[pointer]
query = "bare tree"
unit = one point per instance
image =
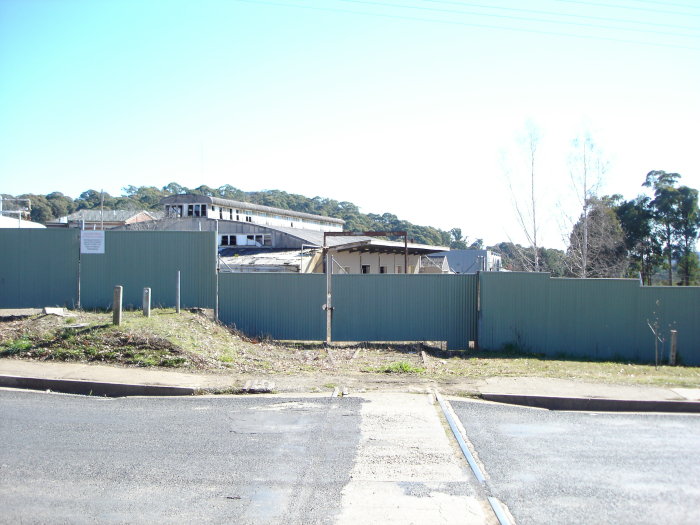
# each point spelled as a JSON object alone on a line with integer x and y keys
{"x": 526, "y": 210}
{"x": 586, "y": 169}
{"x": 605, "y": 253}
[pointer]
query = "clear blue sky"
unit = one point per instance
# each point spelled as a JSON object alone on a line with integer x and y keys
{"x": 404, "y": 106}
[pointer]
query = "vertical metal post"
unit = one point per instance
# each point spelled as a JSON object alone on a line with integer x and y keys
{"x": 117, "y": 305}
{"x": 147, "y": 302}
{"x": 674, "y": 347}
{"x": 177, "y": 293}
{"x": 216, "y": 269}
{"x": 405, "y": 253}
{"x": 329, "y": 296}
{"x": 79, "y": 268}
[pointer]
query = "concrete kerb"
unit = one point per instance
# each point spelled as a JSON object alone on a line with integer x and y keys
{"x": 94, "y": 388}
{"x": 594, "y": 404}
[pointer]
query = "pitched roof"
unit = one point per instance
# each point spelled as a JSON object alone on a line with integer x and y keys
{"x": 96, "y": 215}
{"x": 189, "y": 198}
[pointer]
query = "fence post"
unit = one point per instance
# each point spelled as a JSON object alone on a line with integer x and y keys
{"x": 147, "y": 302}
{"x": 329, "y": 296}
{"x": 177, "y": 293}
{"x": 117, "y": 305}
{"x": 674, "y": 347}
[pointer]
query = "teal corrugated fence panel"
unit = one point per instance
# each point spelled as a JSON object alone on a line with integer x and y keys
{"x": 589, "y": 318}
{"x": 38, "y": 267}
{"x": 676, "y": 308}
{"x": 511, "y": 307}
{"x": 405, "y": 308}
{"x": 276, "y": 305}
{"x": 594, "y": 318}
{"x": 140, "y": 259}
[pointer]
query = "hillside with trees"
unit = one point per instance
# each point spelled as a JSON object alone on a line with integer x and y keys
{"x": 49, "y": 207}
{"x": 648, "y": 237}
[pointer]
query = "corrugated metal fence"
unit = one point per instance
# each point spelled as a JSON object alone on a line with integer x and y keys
{"x": 275, "y": 305}
{"x": 405, "y": 308}
{"x": 366, "y": 307}
{"x": 44, "y": 268}
{"x": 38, "y": 268}
{"x": 142, "y": 259}
{"x": 591, "y": 318}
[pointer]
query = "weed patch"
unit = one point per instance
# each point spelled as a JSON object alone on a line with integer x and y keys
{"x": 401, "y": 367}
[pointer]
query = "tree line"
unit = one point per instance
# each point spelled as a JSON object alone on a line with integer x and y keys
{"x": 50, "y": 207}
{"x": 648, "y": 237}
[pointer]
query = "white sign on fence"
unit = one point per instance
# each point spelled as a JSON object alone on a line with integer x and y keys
{"x": 92, "y": 241}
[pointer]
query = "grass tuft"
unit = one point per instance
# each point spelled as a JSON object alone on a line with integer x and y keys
{"x": 401, "y": 367}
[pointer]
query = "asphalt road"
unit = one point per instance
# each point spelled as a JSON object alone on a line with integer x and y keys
{"x": 587, "y": 468}
{"x": 73, "y": 459}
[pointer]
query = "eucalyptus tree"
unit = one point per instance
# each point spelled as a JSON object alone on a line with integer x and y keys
{"x": 687, "y": 232}
{"x": 643, "y": 247}
{"x": 675, "y": 211}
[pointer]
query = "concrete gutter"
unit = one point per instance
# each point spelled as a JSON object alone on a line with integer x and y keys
{"x": 594, "y": 404}
{"x": 93, "y": 388}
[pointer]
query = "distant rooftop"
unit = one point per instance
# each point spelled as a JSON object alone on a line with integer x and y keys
{"x": 204, "y": 199}
{"x": 96, "y": 215}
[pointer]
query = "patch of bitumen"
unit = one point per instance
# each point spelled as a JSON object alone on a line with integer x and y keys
{"x": 191, "y": 459}
{"x": 587, "y": 467}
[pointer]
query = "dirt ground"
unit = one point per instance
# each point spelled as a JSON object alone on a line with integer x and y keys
{"x": 190, "y": 341}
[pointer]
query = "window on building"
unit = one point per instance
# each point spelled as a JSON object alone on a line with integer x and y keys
{"x": 399, "y": 269}
{"x": 204, "y": 210}
{"x": 221, "y": 213}
{"x": 248, "y": 218}
{"x": 365, "y": 268}
{"x": 267, "y": 240}
{"x": 190, "y": 210}
{"x": 230, "y": 214}
{"x": 228, "y": 240}
{"x": 382, "y": 269}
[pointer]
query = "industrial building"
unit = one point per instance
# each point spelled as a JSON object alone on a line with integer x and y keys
{"x": 255, "y": 238}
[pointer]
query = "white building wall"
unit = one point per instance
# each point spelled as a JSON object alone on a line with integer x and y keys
{"x": 393, "y": 263}
{"x": 252, "y": 216}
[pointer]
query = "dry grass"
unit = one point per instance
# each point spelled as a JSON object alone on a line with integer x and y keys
{"x": 191, "y": 341}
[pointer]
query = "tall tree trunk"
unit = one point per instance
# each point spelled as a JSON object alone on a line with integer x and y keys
{"x": 669, "y": 251}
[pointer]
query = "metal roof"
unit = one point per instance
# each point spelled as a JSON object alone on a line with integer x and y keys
{"x": 11, "y": 222}
{"x": 96, "y": 215}
{"x": 204, "y": 199}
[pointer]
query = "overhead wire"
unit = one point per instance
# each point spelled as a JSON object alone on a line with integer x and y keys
{"x": 687, "y": 6}
{"x": 512, "y": 17}
{"x": 565, "y": 15}
{"x": 471, "y": 24}
{"x": 622, "y": 6}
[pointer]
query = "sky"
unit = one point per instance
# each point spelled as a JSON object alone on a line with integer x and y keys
{"x": 412, "y": 107}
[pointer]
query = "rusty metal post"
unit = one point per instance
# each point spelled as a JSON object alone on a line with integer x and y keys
{"x": 117, "y": 305}
{"x": 674, "y": 348}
